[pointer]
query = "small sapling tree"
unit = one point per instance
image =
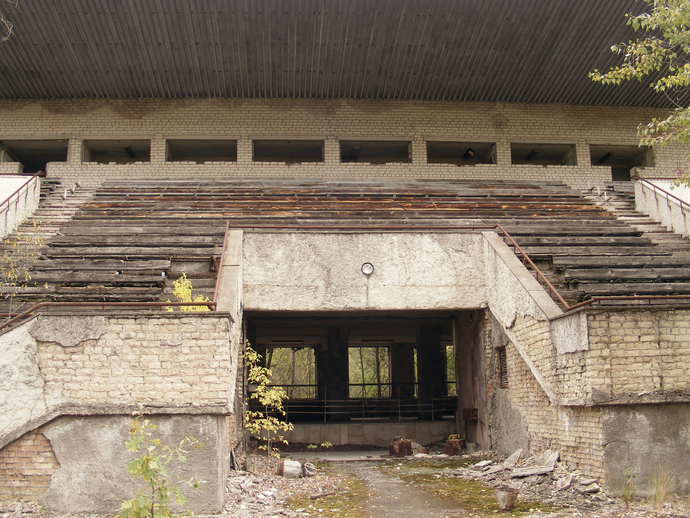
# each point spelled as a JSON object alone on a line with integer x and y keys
{"x": 18, "y": 255}
{"x": 270, "y": 398}
{"x": 182, "y": 289}
{"x": 152, "y": 467}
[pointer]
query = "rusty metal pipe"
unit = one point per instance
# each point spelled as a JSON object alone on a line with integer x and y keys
{"x": 103, "y": 305}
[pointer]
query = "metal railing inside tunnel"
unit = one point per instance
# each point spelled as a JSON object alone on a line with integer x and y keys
{"x": 430, "y": 405}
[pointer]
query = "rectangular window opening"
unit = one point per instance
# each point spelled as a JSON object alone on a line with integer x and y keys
{"x": 201, "y": 150}
{"x": 543, "y": 154}
{"x": 460, "y": 153}
{"x": 294, "y": 369}
{"x": 621, "y": 159}
{"x": 117, "y": 151}
{"x": 502, "y": 367}
{"x": 369, "y": 369}
{"x": 375, "y": 151}
{"x": 34, "y": 155}
{"x": 287, "y": 151}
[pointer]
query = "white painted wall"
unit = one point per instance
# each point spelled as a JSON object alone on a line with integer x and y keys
{"x": 15, "y": 209}
{"x": 663, "y": 205}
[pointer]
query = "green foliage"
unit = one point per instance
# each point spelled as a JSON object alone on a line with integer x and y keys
{"x": 269, "y": 398}
{"x": 369, "y": 369}
{"x": 152, "y": 467}
{"x": 293, "y": 366}
{"x": 5, "y": 25}
{"x": 182, "y": 289}
{"x": 19, "y": 255}
{"x": 664, "y": 46}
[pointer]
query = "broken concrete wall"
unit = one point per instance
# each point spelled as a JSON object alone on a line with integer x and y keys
{"x": 321, "y": 272}
{"x": 650, "y": 444}
{"x": 523, "y": 415}
{"x": 91, "y": 452}
{"x": 90, "y": 366}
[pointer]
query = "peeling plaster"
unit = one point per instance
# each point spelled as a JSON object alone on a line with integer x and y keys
{"x": 21, "y": 383}
{"x": 67, "y": 331}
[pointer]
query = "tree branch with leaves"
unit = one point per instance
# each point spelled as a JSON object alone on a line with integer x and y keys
{"x": 664, "y": 46}
{"x": 6, "y": 26}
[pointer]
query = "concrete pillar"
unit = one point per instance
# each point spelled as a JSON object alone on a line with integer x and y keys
{"x": 402, "y": 367}
{"x": 471, "y": 376}
{"x": 431, "y": 372}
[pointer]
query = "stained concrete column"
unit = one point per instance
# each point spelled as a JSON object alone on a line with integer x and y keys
{"x": 402, "y": 367}
{"x": 332, "y": 372}
{"x": 431, "y": 372}
{"x": 471, "y": 376}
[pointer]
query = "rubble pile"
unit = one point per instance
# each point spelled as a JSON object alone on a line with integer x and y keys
{"x": 261, "y": 493}
{"x": 542, "y": 478}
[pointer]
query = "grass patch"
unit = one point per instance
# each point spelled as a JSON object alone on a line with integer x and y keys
{"x": 348, "y": 501}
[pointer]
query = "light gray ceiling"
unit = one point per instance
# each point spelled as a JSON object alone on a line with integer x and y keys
{"x": 468, "y": 50}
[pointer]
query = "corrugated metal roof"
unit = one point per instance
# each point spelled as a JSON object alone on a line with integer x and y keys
{"x": 471, "y": 50}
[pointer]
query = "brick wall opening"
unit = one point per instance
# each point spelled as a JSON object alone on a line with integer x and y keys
{"x": 34, "y": 155}
{"x": 375, "y": 151}
{"x": 621, "y": 159}
{"x": 201, "y": 150}
{"x": 117, "y": 151}
{"x": 460, "y": 153}
{"x": 288, "y": 151}
{"x": 26, "y": 467}
{"x": 543, "y": 154}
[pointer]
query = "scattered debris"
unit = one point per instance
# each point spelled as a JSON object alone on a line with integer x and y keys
{"x": 400, "y": 447}
{"x": 453, "y": 445}
{"x": 506, "y": 497}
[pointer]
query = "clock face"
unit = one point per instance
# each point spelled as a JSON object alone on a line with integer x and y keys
{"x": 367, "y": 268}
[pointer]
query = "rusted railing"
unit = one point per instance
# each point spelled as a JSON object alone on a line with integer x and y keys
{"x": 103, "y": 305}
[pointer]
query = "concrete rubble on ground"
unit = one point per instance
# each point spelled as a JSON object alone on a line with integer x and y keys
{"x": 541, "y": 477}
{"x": 260, "y": 493}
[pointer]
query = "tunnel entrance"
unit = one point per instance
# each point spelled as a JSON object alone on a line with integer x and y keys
{"x": 374, "y": 368}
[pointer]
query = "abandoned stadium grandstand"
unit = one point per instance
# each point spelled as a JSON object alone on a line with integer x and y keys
{"x": 427, "y": 186}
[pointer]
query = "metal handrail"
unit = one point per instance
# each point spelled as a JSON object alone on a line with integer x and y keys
{"x": 5, "y": 205}
{"x": 683, "y": 204}
{"x": 22, "y": 186}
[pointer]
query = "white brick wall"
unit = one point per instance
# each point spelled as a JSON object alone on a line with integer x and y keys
{"x": 331, "y": 120}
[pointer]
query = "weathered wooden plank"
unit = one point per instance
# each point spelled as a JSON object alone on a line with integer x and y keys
{"x": 132, "y": 252}
{"x": 635, "y": 288}
{"x": 591, "y": 241}
{"x": 662, "y": 259}
{"x": 137, "y": 240}
{"x": 624, "y": 274}
{"x": 144, "y": 267}
{"x": 95, "y": 277}
{"x": 564, "y": 251}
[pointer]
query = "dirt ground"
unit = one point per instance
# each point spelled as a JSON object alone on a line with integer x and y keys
{"x": 414, "y": 487}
